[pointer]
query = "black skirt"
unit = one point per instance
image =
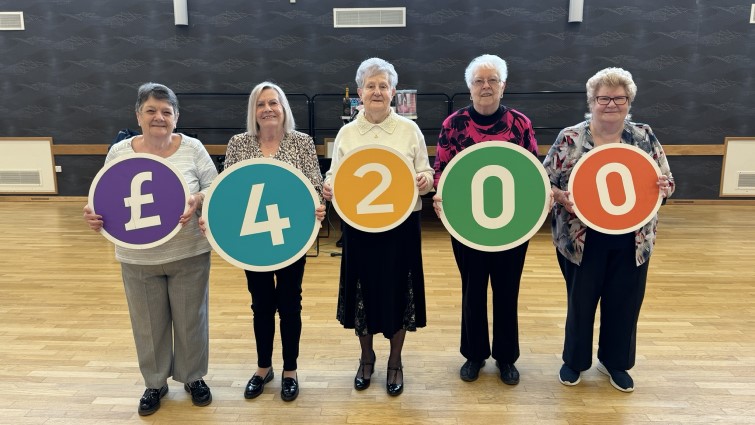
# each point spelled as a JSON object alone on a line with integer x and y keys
{"x": 382, "y": 284}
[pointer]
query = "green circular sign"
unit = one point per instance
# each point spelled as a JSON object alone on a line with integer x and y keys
{"x": 495, "y": 196}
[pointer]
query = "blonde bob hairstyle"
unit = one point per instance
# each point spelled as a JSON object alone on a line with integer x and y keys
{"x": 610, "y": 77}
{"x": 252, "y": 127}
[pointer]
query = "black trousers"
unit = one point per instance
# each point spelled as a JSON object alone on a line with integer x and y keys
{"x": 610, "y": 277}
{"x": 504, "y": 271}
{"x": 278, "y": 290}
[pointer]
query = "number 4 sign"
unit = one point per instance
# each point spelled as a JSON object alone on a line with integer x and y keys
{"x": 260, "y": 214}
{"x": 614, "y": 188}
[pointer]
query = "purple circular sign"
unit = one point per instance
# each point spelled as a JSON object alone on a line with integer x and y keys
{"x": 140, "y": 198}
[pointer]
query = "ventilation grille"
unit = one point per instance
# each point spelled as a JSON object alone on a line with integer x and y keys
{"x": 377, "y": 17}
{"x": 20, "y": 178}
{"x": 12, "y": 21}
{"x": 746, "y": 180}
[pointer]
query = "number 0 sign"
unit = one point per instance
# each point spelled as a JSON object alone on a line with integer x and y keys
{"x": 374, "y": 189}
{"x": 614, "y": 188}
{"x": 495, "y": 196}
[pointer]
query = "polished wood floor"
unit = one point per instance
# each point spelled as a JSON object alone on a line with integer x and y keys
{"x": 67, "y": 355}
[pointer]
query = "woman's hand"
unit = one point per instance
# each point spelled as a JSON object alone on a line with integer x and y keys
{"x": 320, "y": 212}
{"x": 562, "y": 197}
{"x": 664, "y": 185}
{"x": 327, "y": 191}
{"x": 422, "y": 182}
{"x": 202, "y": 225}
{"x": 195, "y": 201}
{"x": 94, "y": 221}
{"x": 438, "y": 205}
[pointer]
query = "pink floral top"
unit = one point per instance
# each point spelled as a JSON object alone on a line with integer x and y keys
{"x": 572, "y": 142}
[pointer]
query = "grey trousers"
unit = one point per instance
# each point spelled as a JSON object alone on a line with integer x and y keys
{"x": 168, "y": 305}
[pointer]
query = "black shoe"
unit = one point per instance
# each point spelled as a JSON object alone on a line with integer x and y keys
{"x": 200, "y": 392}
{"x": 394, "y": 387}
{"x": 470, "y": 370}
{"x": 509, "y": 374}
{"x": 364, "y": 382}
{"x": 289, "y": 389}
{"x": 339, "y": 243}
{"x": 256, "y": 385}
{"x": 150, "y": 401}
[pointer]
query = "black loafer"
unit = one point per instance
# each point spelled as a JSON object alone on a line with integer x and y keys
{"x": 256, "y": 385}
{"x": 509, "y": 374}
{"x": 364, "y": 382}
{"x": 200, "y": 392}
{"x": 470, "y": 370}
{"x": 150, "y": 401}
{"x": 289, "y": 389}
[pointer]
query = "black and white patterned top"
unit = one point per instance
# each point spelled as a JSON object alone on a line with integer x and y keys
{"x": 296, "y": 148}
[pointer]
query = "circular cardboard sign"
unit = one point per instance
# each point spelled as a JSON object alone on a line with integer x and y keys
{"x": 141, "y": 198}
{"x": 260, "y": 214}
{"x": 374, "y": 188}
{"x": 614, "y": 188}
{"x": 495, "y": 196}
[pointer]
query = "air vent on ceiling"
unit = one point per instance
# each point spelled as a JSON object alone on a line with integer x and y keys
{"x": 376, "y": 17}
{"x": 12, "y": 21}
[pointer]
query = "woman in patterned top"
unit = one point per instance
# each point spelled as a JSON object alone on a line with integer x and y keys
{"x": 486, "y": 120}
{"x": 382, "y": 283}
{"x": 613, "y": 270}
{"x": 270, "y": 134}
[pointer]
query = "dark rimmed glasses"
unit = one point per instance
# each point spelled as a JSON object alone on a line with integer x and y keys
{"x": 605, "y": 100}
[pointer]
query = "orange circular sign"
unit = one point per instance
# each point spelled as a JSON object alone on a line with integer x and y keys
{"x": 614, "y": 188}
{"x": 374, "y": 188}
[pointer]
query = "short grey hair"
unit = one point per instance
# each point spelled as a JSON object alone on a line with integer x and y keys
{"x": 156, "y": 91}
{"x": 252, "y": 127}
{"x": 487, "y": 62}
{"x": 610, "y": 77}
{"x": 375, "y": 66}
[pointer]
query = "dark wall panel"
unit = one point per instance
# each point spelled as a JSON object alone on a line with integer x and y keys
{"x": 73, "y": 73}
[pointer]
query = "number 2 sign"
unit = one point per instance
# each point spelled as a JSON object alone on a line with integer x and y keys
{"x": 614, "y": 188}
{"x": 260, "y": 214}
{"x": 374, "y": 188}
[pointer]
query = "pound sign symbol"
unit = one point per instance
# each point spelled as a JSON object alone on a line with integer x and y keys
{"x": 135, "y": 202}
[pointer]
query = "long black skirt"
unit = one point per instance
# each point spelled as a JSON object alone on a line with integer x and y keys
{"x": 382, "y": 284}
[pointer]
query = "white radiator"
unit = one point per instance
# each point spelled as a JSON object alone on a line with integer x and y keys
{"x": 738, "y": 170}
{"x": 27, "y": 165}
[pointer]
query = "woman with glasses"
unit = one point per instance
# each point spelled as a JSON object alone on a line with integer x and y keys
{"x": 610, "y": 270}
{"x": 382, "y": 287}
{"x": 486, "y": 120}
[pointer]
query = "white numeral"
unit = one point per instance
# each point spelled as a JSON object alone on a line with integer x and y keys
{"x": 626, "y": 179}
{"x": 507, "y": 192}
{"x": 274, "y": 223}
{"x": 365, "y": 206}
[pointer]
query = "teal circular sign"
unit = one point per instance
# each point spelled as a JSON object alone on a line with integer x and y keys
{"x": 495, "y": 196}
{"x": 260, "y": 214}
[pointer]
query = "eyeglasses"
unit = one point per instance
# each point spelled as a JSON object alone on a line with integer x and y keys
{"x": 605, "y": 100}
{"x": 480, "y": 82}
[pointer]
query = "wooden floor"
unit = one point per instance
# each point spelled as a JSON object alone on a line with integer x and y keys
{"x": 67, "y": 354}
